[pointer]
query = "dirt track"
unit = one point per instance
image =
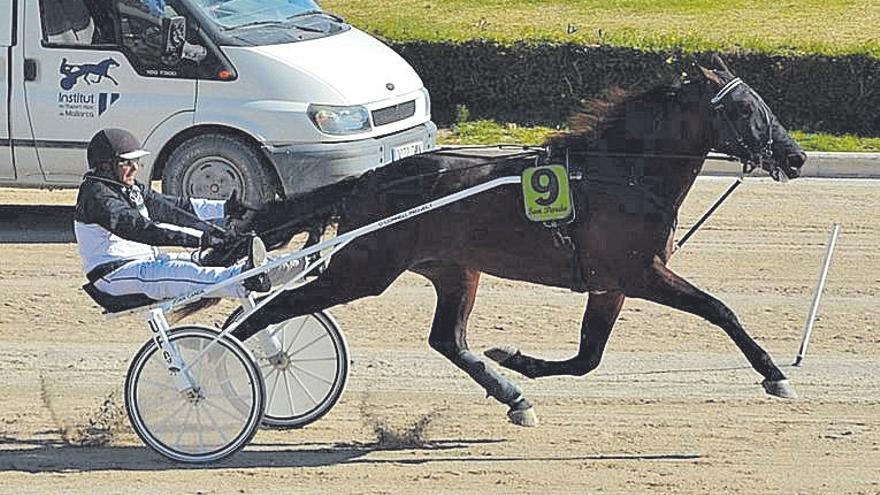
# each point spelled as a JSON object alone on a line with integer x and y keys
{"x": 672, "y": 409}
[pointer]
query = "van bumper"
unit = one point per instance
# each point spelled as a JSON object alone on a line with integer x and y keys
{"x": 305, "y": 167}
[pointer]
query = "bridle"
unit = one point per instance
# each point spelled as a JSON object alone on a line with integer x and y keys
{"x": 737, "y": 145}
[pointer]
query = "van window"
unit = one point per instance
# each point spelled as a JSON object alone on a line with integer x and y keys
{"x": 144, "y": 42}
{"x": 232, "y": 14}
{"x": 67, "y": 22}
{"x": 133, "y": 27}
{"x": 140, "y": 23}
{"x": 267, "y": 22}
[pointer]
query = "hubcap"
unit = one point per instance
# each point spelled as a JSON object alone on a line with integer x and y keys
{"x": 212, "y": 178}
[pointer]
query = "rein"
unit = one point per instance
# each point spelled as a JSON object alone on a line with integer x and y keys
{"x": 515, "y": 156}
{"x": 528, "y": 152}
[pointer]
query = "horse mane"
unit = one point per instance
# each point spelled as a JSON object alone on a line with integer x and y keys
{"x": 596, "y": 118}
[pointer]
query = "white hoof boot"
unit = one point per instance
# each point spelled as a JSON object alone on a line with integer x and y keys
{"x": 780, "y": 388}
{"x": 524, "y": 417}
{"x": 501, "y": 354}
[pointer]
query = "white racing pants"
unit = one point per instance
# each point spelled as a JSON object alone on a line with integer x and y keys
{"x": 167, "y": 276}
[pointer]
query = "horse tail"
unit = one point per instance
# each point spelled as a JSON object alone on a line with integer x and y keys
{"x": 189, "y": 309}
{"x": 303, "y": 212}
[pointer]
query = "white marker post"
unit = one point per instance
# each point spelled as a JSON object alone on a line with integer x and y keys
{"x": 811, "y": 318}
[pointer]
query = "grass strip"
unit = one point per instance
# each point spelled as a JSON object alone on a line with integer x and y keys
{"x": 491, "y": 132}
{"x": 829, "y": 27}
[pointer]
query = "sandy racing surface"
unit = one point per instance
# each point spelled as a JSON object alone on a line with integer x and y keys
{"x": 673, "y": 408}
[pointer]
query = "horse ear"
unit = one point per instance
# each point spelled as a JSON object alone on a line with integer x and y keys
{"x": 716, "y": 59}
{"x": 711, "y": 75}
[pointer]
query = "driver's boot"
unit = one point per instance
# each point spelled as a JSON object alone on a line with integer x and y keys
{"x": 282, "y": 274}
{"x": 256, "y": 258}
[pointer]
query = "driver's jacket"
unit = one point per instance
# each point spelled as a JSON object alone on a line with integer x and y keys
{"x": 114, "y": 222}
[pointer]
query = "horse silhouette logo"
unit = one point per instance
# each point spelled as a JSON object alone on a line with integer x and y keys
{"x": 73, "y": 72}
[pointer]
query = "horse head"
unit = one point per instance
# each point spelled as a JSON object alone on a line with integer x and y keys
{"x": 745, "y": 127}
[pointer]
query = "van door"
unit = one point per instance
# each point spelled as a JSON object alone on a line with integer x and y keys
{"x": 97, "y": 64}
{"x": 7, "y": 166}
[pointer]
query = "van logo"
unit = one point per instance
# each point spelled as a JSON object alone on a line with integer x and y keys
{"x": 105, "y": 100}
{"x": 73, "y": 72}
{"x": 389, "y": 86}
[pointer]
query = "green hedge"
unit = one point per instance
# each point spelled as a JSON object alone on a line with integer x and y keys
{"x": 541, "y": 84}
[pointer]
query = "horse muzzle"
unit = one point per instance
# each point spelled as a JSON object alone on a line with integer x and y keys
{"x": 789, "y": 167}
{"x": 793, "y": 164}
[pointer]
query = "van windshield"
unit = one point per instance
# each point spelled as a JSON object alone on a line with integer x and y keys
{"x": 232, "y": 14}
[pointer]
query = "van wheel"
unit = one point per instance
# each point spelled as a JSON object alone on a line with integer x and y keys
{"x": 211, "y": 166}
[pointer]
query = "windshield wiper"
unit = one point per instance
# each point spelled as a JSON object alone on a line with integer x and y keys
{"x": 316, "y": 12}
{"x": 254, "y": 23}
{"x": 307, "y": 28}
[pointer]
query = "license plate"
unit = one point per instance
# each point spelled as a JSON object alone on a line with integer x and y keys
{"x": 406, "y": 150}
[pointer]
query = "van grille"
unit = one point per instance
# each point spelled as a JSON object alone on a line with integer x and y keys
{"x": 394, "y": 113}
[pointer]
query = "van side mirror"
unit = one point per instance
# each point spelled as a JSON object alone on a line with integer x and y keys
{"x": 173, "y": 35}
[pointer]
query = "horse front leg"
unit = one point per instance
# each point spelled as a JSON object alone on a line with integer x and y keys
{"x": 599, "y": 318}
{"x": 456, "y": 290}
{"x": 666, "y": 287}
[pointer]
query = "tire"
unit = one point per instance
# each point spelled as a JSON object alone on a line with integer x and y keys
{"x": 211, "y": 166}
{"x": 223, "y": 417}
{"x": 302, "y": 392}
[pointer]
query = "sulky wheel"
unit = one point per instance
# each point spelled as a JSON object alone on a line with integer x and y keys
{"x": 306, "y": 375}
{"x": 217, "y": 412}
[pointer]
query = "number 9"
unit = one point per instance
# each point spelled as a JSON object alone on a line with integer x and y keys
{"x": 550, "y": 187}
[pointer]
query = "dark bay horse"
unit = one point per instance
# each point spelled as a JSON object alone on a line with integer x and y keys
{"x": 637, "y": 158}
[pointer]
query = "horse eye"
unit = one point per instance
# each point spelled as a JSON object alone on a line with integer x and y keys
{"x": 744, "y": 108}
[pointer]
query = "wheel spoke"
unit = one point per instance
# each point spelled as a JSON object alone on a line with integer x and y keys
{"x": 220, "y": 361}
{"x": 215, "y": 425}
{"x": 228, "y": 379}
{"x": 224, "y": 411}
{"x": 183, "y": 426}
{"x": 303, "y": 386}
{"x": 298, "y": 332}
{"x": 309, "y": 360}
{"x": 274, "y": 387}
{"x": 319, "y": 337}
{"x": 200, "y": 439}
{"x": 171, "y": 415}
{"x": 289, "y": 395}
{"x": 267, "y": 375}
{"x": 145, "y": 381}
{"x": 312, "y": 374}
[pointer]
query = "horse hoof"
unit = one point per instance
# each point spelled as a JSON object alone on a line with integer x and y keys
{"x": 780, "y": 388}
{"x": 501, "y": 354}
{"x": 523, "y": 417}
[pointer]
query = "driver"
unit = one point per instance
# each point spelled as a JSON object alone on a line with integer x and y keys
{"x": 119, "y": 224}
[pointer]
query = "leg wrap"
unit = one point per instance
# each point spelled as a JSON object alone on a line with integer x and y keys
{"x": 496, "y": 385}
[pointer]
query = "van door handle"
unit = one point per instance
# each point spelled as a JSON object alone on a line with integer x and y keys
{"x": 30, "y": 69}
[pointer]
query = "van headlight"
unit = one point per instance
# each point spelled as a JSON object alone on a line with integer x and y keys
{"x": 340, "y": 120}
{"x": 427, "y": 101}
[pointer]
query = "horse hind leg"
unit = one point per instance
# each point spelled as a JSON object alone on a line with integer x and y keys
{"x": 667, "y": 288}
{"x": 599, "y": 318}
{"x": 456, "y": 289}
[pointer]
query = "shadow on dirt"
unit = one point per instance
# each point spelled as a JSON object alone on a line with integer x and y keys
{"x": 36, "y": 224}
{"x": 55, "y": 457}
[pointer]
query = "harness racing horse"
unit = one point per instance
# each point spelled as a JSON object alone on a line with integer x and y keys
{"x": 637, "y": 158}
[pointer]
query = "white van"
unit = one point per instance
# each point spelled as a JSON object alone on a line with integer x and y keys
{"x": 261, "y": 96}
